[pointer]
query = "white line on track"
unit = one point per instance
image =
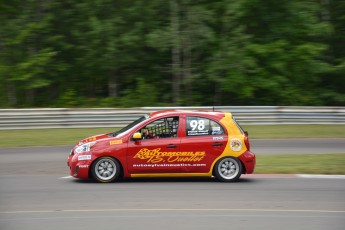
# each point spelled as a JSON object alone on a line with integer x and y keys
{"x": 321, "y": 176}
{"x": 286, "y": 176}
{"x": 65, "y": 177}
{"x": 309, "y": 176}
{"x": 173, "y": 210}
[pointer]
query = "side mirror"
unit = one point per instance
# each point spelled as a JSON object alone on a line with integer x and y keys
{"x": 137, "y": 136}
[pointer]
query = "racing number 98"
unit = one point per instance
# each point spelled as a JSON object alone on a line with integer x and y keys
{"x": 200, "y": 124}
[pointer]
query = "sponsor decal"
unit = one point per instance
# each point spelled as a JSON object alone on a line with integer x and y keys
{"x": 197, "y": 132}
{"x": 218, "y": 138}
{"x": 84, "y": 157}
{"x": 236, "y": 144}
{"x": 216, "y": 130}
{"x": 156, "y": 156}
{"x": 83, "y": 166}
{"x": 90, "y": 139}
{"x": 168, "y": 165}
{"x": 115, "y": 142}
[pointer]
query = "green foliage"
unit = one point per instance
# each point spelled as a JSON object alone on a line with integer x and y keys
{"x": 177, "y": 52}
{"x": 69, "y": 99}
{"x": 143, "y": 95}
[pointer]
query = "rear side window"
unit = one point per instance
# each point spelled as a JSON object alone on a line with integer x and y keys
{"x": 199, "y": 126}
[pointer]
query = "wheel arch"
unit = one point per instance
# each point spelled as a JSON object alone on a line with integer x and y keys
{"x": 94, "y": 161}
{"x": 244, "y": 170}
{"x": 218, "y": 175}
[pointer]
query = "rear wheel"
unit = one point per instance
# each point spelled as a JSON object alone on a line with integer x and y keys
{"x": 106, "y": 169}
{"x": 228, "y": 169}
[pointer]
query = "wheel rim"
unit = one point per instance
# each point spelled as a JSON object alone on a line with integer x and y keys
{"x": 228, "y": 168}
{"x": 105, "y": 169}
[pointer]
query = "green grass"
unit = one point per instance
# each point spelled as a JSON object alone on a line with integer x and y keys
{"x": 45, "y": 137}
{"x": 295, "y": 131}
{"x": 300, "y": 164}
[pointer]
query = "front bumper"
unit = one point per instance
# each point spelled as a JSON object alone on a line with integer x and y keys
{"x": 78, "y": 168}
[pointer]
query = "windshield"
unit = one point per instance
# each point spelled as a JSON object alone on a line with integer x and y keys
{"x": 128, "y": 127}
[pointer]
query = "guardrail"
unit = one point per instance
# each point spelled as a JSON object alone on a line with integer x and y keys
{"x": 110, "y": 117}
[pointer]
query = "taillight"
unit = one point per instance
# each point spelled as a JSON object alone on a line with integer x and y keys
{"x": 246, "y": 140}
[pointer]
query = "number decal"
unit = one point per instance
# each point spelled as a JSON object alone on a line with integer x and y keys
{"x": 193, "y": 124}
{"x": 200, "y": 124}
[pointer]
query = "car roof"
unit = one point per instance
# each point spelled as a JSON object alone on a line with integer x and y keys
{"x": 215, "y": 114}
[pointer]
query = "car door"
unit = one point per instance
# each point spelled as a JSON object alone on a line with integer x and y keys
{"x": 155, "y": 152}
{"x": 206, "y": 139}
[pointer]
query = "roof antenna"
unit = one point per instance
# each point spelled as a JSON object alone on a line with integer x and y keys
{"x": 213, "y": 105}
{"x": 214, "y": 98}
{"x": 214, "y": 102}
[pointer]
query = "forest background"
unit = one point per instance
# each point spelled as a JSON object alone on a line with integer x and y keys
{"x": 121, "y": 53}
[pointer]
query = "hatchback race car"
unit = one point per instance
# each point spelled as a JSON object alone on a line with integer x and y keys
{"x": 168, "y": 143}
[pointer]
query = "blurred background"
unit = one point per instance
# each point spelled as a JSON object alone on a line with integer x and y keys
{"x": 118, "y": 53}
{"x": 71, "y": 69}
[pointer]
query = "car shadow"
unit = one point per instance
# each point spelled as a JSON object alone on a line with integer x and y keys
{"x": 165, "y": 180}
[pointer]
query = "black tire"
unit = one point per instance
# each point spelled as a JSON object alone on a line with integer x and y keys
{"x": 228, "y": 169}
{"x": 106, "y": 169}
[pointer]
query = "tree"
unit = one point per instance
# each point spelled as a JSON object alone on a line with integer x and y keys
{"x": 27, "y": 57}
{"x": 287, "y": 44}
{"x": 332, "y": 82}
{"x": 177, "y": 52}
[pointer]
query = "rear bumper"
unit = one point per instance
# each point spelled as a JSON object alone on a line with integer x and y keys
{"x": 249, "y": 161}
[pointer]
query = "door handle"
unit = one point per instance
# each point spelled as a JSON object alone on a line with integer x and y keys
{"x": 217, "y": 144}
{"x": 171, "y": 146}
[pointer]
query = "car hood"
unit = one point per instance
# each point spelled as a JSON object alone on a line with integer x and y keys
{"x": 94, "y": 138}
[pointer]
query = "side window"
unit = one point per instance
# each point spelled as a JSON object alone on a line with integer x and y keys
{"x": 199, "y": 126}
{"x": 216, "y": 129}
{"x": 162, "y": 128}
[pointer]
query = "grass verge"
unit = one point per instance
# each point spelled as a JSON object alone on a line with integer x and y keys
{"x": 300, "y": 164}
{"x": 295, "y": 131}
{"x": 46, "y": 137}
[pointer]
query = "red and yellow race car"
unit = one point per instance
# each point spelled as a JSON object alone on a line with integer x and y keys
{"x": 167, "y": 144}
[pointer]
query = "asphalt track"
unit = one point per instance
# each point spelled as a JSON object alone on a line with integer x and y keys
{"x": 36, "y": 194}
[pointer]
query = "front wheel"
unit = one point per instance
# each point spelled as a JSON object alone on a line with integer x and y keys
{"x": 105, "y": 169}
{"x": 228, "y": 169}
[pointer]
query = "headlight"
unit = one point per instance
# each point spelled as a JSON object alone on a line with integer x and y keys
{"x": 85, "y": 147}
